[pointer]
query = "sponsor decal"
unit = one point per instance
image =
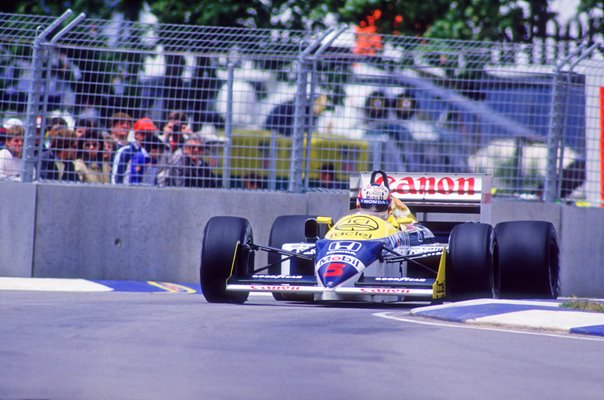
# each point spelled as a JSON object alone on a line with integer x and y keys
{"x": 345, "y": 246}
{"x": 357, "y": 223}
{"x": 348, "y": 234}
{"x": 299, "y": 247}
{"x": 436, "y": 187}
{"x": 335, "y": 267}
{"x": 257, "y": 276}
{"x": 275, "y": 287}
{"x": 425, "y": 250}
{"x": 400, "y": 279}
{"x": 439, "y": 290}
{"x": 341, "y": 258}
{"x": 433, "y": 185}
{"x": 385, "y": 291}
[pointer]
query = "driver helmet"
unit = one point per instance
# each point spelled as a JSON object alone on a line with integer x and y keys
{"x": 374, "y": 199}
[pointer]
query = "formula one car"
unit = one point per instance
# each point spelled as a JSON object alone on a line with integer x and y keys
{"x": 381, "y": 253}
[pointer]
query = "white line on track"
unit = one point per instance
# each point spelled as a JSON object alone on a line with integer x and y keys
{"x": 398, "y": 317}
{"x": 51, "y": 285}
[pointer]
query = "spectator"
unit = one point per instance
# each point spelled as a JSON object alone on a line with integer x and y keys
{"x": 108, "y": 154}
{"x": 187, "y": 168}
{"x": 253, "y": 181}
{"x": 176, "y": 130}
{"x": 122, "y": 162}
{"x": 10, "y": 155}
{"x": 327, "y": 178}
{"x": 89, "y": 164}
{"x": 12, "y": 122}
{"x": 146, "y": 166}
{"x": 6, "y": 125}
{"x": 83, "y": 126}
{"x": 121, "y": 123}
{"x": 55, "y": 127}
{"x": 57, "y": 162}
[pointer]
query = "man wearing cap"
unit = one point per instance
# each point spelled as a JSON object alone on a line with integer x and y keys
{"x": 121, "y": 169}
{"x": 10, "y": 155}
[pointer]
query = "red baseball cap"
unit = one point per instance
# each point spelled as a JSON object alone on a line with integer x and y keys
{"x": 145, "y": 124}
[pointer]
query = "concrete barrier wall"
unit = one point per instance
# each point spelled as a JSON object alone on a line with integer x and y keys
{"x": 93, "y": 232}
{"x": 582, "y": 252}
{"x": 17, "y": 228}
{"x": 142, "y": 233}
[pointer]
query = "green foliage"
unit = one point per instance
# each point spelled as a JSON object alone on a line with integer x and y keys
{"x": 458, "y": 19}
{"x": 583, "y": 305}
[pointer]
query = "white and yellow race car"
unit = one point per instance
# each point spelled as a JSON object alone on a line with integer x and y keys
{"x": 420, "y": 247}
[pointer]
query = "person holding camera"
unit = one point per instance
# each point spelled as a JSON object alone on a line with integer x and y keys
{"x": 176, "y": 130}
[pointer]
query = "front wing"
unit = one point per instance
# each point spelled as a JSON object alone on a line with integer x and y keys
{"x": 420, "y": 288}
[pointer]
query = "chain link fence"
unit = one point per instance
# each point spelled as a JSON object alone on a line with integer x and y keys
{"x": 116, "y": 102}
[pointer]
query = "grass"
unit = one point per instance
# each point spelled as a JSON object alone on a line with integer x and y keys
{"x": 583, "y": 305}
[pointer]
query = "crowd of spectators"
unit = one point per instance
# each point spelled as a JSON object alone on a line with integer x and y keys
{"x": 128, "y": 151}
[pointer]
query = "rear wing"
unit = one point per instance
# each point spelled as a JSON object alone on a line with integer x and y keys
{"x": 436, "y": 197}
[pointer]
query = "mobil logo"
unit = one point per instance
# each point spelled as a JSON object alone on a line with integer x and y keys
{"x": 345, "y": 246}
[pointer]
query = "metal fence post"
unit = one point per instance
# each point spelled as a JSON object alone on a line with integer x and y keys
{"x": 555, "y": 134}
{"x": 228, "y": 126}
{"x": 301, "y": 114}
{"x": 33, "y": 101}
{"x": 313, "y": 91}
{"x": 295, "y": 171}
{"x": 555, "y": 139}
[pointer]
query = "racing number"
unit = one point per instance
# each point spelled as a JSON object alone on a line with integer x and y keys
{"x": 334, "y": 269}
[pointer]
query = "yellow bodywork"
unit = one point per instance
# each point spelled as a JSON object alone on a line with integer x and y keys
{"x": 360, "y": 227}
{"x": 438, "y": 287}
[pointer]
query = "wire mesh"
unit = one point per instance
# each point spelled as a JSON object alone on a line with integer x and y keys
{"x": 181, "y": 105}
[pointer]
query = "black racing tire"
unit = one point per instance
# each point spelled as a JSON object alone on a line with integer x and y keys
{"x": 217, "y": 251}
{"x": 528, "y": 259}
{"x": 472, "y": 268}
{"x": 288, "y": 229}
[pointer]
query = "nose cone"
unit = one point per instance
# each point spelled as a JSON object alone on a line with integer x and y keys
{"x": 335, "y": 273}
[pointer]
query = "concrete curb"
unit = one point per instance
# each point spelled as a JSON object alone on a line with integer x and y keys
{"x": 83, "y": 285}
{"x": 541, "y": 315}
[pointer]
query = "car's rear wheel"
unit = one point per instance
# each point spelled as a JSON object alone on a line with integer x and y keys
{"x": 220, "y": 237}
{"x": 528, "y": 259}
{"x": 472, "y": 270}
{"x": 289, "y": 229}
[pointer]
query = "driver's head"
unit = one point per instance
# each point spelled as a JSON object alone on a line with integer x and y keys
{"x": 374, "y": 199}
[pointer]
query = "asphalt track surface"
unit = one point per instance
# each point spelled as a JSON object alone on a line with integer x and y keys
{"x": 170, "y": 344}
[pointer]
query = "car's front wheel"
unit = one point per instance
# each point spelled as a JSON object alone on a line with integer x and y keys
{"x": 220, "y": 237}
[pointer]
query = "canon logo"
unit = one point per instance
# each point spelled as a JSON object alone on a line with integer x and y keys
{"x": 432, "y": 185}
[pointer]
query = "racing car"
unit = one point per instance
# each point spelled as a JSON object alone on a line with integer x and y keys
{"x": 382, "y": 251}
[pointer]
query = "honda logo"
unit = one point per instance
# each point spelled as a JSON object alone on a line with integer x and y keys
{"x": 345, "y": 246}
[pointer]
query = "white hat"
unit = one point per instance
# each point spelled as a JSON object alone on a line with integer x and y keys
{"x": 10, "y": 122}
